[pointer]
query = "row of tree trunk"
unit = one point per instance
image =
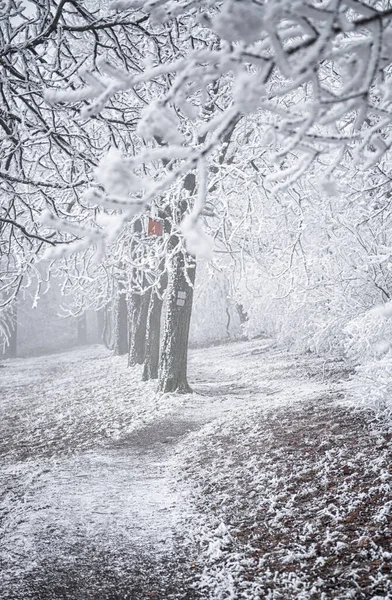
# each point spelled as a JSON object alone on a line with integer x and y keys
{"x": 137, "y": 324}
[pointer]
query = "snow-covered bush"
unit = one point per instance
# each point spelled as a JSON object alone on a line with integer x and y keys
{"x": 369, "y": 336}
{"x": 304, "y": 320}
{"x": 214, "y": 317}
{"x": 369, "y": 342}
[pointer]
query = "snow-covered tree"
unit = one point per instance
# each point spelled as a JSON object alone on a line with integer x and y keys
{"x": 316, "y": 74}
{"x": 160, "y": 102}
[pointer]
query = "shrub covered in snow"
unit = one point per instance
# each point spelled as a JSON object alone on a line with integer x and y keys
{"x": 369, "y": 342}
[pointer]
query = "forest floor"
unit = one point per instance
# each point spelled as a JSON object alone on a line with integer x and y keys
{"x": 265, "y": 483}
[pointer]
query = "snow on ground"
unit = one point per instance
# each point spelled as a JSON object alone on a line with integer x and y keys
{"x": 290, "y": 497}
{"x": 262, "y": 484}
{"x": 82, "y": 490}
{"x": 73, "y": 401}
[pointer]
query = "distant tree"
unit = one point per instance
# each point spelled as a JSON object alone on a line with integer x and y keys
{"x": 9, "y": 331}
{"x": 82, "y": 329}
{"x": 48, "y": 153}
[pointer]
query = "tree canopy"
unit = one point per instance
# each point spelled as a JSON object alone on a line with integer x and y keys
{"x": 259, "y": 129}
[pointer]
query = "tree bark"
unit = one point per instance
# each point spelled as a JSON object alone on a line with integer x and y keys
{"x": 178, "y": 311}
{"x": 243, "y": 315}
{"x": 153, "y": 334}
{"x": 138, "y": 326}
{"x": 107, "y": 334}
{"x": 121, "y": 325}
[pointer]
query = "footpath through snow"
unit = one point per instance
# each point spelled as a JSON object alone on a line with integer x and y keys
{"x": 265, "y": 483}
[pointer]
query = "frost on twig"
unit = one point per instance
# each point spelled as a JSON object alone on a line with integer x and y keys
{"x": 198, "y": 242}
{"x": 116, "y": 175}
{"x": 158, "y": 121}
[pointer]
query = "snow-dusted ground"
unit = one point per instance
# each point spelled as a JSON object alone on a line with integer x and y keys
{"x": 85, "y": 499}
{"x": 290, "y": 497}
{"x": 111, "y": 492}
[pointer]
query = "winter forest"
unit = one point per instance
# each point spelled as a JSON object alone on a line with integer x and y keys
{"x": 195, "y": 299}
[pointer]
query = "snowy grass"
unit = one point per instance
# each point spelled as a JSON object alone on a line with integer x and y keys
{"x": 282, "y": 490}
{"x": 290, "y": 498}
{"x": 64, "y": 403}
{"x": 85, "y": 503}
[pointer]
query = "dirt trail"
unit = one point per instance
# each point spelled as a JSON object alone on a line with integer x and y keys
{"x": 88, "y": 517}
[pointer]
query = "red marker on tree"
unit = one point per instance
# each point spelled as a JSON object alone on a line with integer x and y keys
{"x": 154, "y": 227}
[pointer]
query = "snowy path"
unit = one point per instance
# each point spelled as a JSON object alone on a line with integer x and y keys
{"x": 85, "y": 499}
{"x": 88, "y": 508}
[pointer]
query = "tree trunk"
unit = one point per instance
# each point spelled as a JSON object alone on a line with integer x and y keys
{"x": 100, "y": 325}
{"x": 121, "y": 324}
{"x": 178, "y": 311}
{"x": 153, "y": 334}
{"x": 82, "y": 329}
{"x": 10, "y": 349}
{"x": 243, "y": 315}
{"x": 138, "y": 326}
{"x": 107, "y": 335}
